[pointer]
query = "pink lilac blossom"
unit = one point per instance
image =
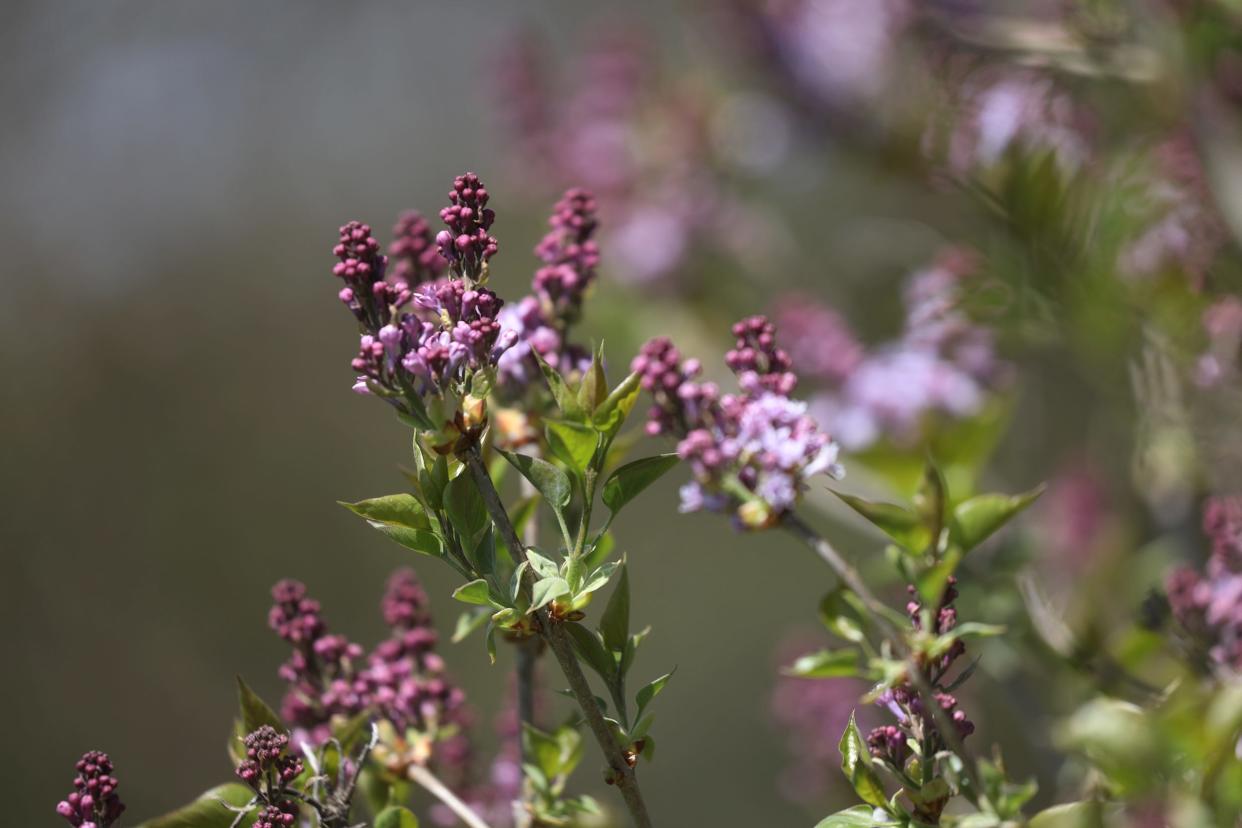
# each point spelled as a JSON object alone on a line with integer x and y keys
{"x": 424, "y": 340}
{"x": 404, "y": 676}
{"x": 1208, "y": 605}
{"x": 322, "y": 671}
{"x": 942, "y": 364}
{"x": 750, "y": 453}
{"x": 94, "y": 802}
{"x": 539, "y": 324}
{"x": 402, "y": 680}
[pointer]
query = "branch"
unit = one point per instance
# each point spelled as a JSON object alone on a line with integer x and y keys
{"x": 527, "y": 655}
{"x": 440, "y": 791}
{"x": 850, "y": 577}
{"x": 622, "y": 774}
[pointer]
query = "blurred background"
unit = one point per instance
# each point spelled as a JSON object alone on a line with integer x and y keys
{"x": 177, "y": 424}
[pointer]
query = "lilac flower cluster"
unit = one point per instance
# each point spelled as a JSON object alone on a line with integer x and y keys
{"x": 322, "y": 671}
{"x": 540, "y": 323}
{"x": 570, "y": 257}
{"x": 425, "y": 340}
{"x": 943, "y": 364}
{"x": 266, "y": 765}
{"x": 889, "y": 743}
{"x": 404, "y": 675}
{"x": 1208, "y": 605}
{"x": 400, "y": 681}
{"x": 94, "y": 802}
{"x": 750, "y": 453}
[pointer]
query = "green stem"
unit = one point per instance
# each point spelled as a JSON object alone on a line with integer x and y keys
{"x": 558, "y": 641}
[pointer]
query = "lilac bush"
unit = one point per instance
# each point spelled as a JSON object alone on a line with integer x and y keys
{"x": 1110, "y": 259}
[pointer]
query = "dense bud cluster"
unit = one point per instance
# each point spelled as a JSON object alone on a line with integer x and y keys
{"x": 429, "y": 340}
{"x": 540, "y": 323}
{"x": 414, "y": 255}
{"x": 466, "y": 244}
{"x": 750, "y": 453}
{"x": 279, "y": 815}
{"x": 914, "y": 722}
{"x": 404, "y": 675}
{"x": 94, "y": 802}
{"x": 570, "y": 257}
{"x": 401, "y": 680}
{"x": 322, "y": 671}
{"x": 266, "y": 761}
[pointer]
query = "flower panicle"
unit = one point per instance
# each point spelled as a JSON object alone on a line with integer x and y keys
{"x": 94, "y": 802}
{"x": 750, "y": 453}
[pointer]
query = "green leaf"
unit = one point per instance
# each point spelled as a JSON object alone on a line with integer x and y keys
{"x": 546, "y": 590}
{"x": 856, "y": 765}
{"x": 422, "y": 541}
{"x": 572, "y": 443}
{"x": 624, "y": 484}
{"x": 598, "y": 579}
{"x": 1069, "y": 815}
{"x": 542, "y": 566}
{"x": 589, "y": 648}
{"x": 254, "y": 711}
{"x": 932, "y": 500}
{"x": 614, "y": 625}
{"x": 547, "y": 479}
{"x": 843, "y": 615}
{"x": 208, "y": 811}
{"x": 468, "y": 622}
{"x": 399, "y": 509}
{"x": 396, "y": 817}
{"x": 649, "y": 692}
{"x": 565, "y": 398}
{"x": 974, "y": 520}
{"x": 466, "y": 510}
{"x": 611, "y": 413}
{"x": 860, "y": 816}
{"x": 898, "y": 522}
{"x": 594, "y": 387}
{"x": 825, "y": 664}
{"x": 475, "y": 592}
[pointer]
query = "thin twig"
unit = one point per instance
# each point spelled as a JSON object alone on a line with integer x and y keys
{"x": 850, "y": 577}
{"x": 558, "y": 641}
{"x": 440, "y": 791}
